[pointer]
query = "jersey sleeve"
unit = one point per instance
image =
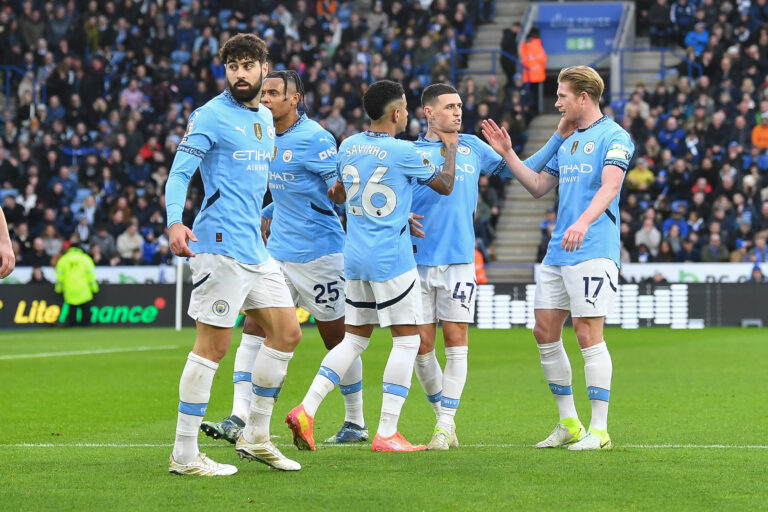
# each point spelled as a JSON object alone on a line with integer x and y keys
{"x": 552, "y": 167}
{"x": 418, "y": 166}
{"x": 266, "y": 212}
{"x": 322, "y": 157}
{"x": 197, "y": 141}
{"x": 620, "y": 151}
{"x": 491, "y": 162}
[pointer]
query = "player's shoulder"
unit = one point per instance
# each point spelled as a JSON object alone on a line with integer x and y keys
{"x": 472, "y": 141}
{"x": 609, "y": 127}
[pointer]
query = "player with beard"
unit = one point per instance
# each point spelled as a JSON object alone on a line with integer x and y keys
{"x": 306, "y": 239}
{"x": 232, "y": 140}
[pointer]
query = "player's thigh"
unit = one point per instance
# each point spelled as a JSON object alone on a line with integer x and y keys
{"x": 592, "y": 288}
{"x": 428, "y": 295}
{"x": 551, "y": 290}
{"x": 455, "y": 287}
{"x": 318, "y": 285}
{"x": 549, "y": 323}
{"x": 220, "y": 286}
{"x": 589, "y": 330}
{"x": 280, "y": 326}
{"x": 360, "y": 304}
{"x": 456, "y": 334}
{"x": 398, "y": 300}
{"x": 331, "y": 332}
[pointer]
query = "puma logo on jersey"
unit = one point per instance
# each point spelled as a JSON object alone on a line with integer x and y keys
{"x": 241, "y": 130}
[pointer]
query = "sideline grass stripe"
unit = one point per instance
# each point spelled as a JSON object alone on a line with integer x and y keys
{"x": 355, "y": 445}
{"x": 86, "y": 352}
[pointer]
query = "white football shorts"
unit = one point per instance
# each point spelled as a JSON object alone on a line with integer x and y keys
{"x": 393, "y": 302}
{"x": 586, "y": 289}
{"x": 317, "y": 285}
{"x": 448, "y": 293}
{"x": 222, "y": 287}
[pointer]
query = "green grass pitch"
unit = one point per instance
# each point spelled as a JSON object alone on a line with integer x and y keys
{"x": 93, "y": 431}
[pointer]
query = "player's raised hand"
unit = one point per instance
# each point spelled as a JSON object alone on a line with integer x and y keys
{"x": 265, "y": 225}
{"x": 497, "y": 138}
{"x": 178, "y": 237}
{"x": 8, "y": 260}
{"x": 415, "y": 225}
{"x": 566, "y": 128}
{"x": 337, "y": 193}
{"x": 574, "y": 236}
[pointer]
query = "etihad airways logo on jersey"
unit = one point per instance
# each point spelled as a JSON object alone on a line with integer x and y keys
{"x": 282, "y": 176}
{"x": 574, "y": 168}
{"x": 247, "y": 155}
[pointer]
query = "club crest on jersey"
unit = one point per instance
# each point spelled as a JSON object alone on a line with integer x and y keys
{"x": 464, "y": 150}
{"x": 257, "y": 130}
{"x": 573, "y": 148}
{"x": 287, "y": 155}
{"x": 220, "y": 307}
{"x": 589, "y": 147}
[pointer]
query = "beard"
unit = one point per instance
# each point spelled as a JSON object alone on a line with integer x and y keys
{"x": 245, "y": 95}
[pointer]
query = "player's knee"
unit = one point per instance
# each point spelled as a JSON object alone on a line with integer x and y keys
{"x": 541, "y": 333}
{"x": 585, "y": 333}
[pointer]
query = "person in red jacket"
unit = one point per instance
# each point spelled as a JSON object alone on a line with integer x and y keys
{"x": 534, "y": 60}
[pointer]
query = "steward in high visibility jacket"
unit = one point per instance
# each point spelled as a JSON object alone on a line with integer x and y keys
{"x": 534, "y": 58}
{"x": 480, "y": 268}
{"x": 75, "y": 277}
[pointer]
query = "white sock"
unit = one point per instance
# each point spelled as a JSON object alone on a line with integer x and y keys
{"x": 335, "y": 363}
{"x": 454, "y": 378}
{"x": 268, "y": 374}
{"x": 431, "y": 378}
{"x": 397, "y": 381}
{"x": 194, "y": 392}
{"x": 244, "y": 358}
{"x": 557, "y": 371}
{"x": 598, "y": 370}
{"x": 351, "y": 386}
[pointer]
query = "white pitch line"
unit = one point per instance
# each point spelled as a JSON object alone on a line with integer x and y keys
{"x": 86, "y": 352}
{"x": 479, "y": 445}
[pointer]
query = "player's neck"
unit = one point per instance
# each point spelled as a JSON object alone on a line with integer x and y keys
{"x": 383, "y": 127}
{"x": 286, "y": 121}
{"x": 589, "y": 117}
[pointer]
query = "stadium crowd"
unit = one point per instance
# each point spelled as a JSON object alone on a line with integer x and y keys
{"x": 98, "y": 95}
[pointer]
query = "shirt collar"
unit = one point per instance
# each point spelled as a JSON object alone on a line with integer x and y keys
{"x": 376, "y": 134}
{"x": 594, "y": 124}
{"x": 228, "y": 95}
{"x": 301, "y": 119}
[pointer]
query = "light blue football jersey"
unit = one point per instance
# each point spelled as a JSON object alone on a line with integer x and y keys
{"x": 379, "y": 173}
{"x": 233, "y": 145}
{"x": 304, "y": 224}
{"x": 448, "y": 220}
{"x": 578, "y": 165}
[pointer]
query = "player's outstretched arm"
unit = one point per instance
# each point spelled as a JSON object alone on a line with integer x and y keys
{"x": 337, "y": 193}
{"x": 6, "y": 249}
{"x": 444, "y": 181}
{"x": 537, "y": 184}
{"x": 178, "y": 238}
{"x": 611, "y": 185}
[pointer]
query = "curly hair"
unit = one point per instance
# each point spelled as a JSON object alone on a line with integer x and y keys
{"x": 379, "y": 95}
{"x": 243, "y": 46}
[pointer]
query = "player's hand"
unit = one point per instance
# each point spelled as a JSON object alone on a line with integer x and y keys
{"x": 566, "y": 128}
{"x": 265, "y": 225}
{"x": 447, "y": 138}
{"x": 497, "y": 138}
{"x": 337, "y": 193}
{"x": 178, "y": 237}
{"x": 415, "y": 225}
{"x": 574, "y": 236}
{"x": 8, "y": 260}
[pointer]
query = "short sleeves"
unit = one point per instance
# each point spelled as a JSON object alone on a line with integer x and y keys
{"x": 418, "y": 166}
{"x": 322, "y": 157}
{"x": 201, "y": 133}
{"x": 620, "y": 151}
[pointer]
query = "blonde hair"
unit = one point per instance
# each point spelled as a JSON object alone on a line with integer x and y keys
{"x": 583, "y": 79}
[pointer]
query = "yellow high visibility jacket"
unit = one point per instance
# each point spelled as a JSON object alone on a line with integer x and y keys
{"x": 75, "y": 277}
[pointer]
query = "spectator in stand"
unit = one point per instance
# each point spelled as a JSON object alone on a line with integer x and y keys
{"x": 698, "y": 38}
{"x": 129, "y": 241}
{"x": 682, "y": 15}
{"x": 672, "y": 137}
{"x": 757, "y": 275}
{"x": 677, "y": 219}
{"x": 648, "y": 236}
{"x": 659, "y": 26}
{"x": 688, "y": 252}
{"x": 714, "y": 251}
{"x": 665, "y": 254}
{"x": 759, "y": 253}
{"x": 760, "y": 132}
